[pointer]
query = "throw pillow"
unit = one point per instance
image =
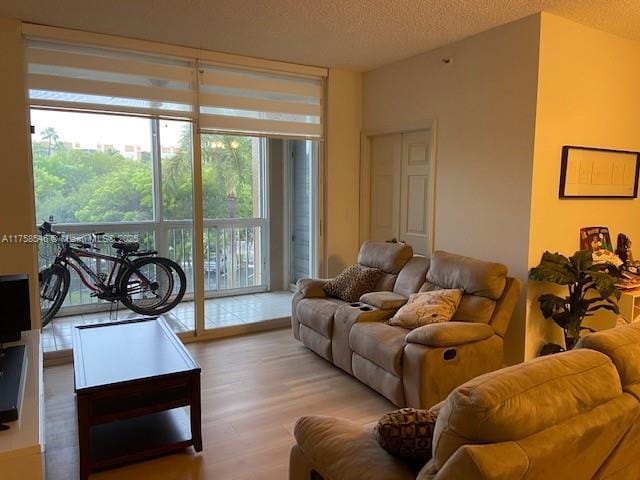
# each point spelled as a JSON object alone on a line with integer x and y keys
{"x": 407, "y": 433}
{"x": 353, "y": 282}
{"x": 427, "y": 307}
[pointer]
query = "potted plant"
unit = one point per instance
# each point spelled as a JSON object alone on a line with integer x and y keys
{"x": 591, "y": 288}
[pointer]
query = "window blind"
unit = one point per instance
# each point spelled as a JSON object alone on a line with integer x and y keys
{"x": 231, "y": 98}
{"x": 73, "y": 76}
{"x": 255, "y": 102}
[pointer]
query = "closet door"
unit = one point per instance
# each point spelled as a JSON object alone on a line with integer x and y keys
{"x": 415, "y": 196}
{"x": 386, "y": 153}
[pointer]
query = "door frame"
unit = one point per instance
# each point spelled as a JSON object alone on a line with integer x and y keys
{"x": 365, "y": 173}
{"x": 316, "y": 207}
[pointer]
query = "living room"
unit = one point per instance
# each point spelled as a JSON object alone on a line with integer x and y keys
{"x": 425, "y": 128}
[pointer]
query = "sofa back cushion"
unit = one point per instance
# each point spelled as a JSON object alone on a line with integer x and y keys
{"x": 412, "y": 276}
{"x": 519, "y": 401}
{"x": 622, "y": 346}
{"x": 475, "y": 277}
{"x": 388, "y": 257}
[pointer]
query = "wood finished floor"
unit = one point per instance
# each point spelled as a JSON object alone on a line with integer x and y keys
{"x": 253, "y": 389}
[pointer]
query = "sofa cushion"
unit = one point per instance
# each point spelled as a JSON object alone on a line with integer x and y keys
{"x": 518, "y": 401}
{"x": 406, "y": 433}
{"x": 317, "y": 313}
{"x": 389, "y": 257}
{"x": 427, "y": 307}
{"x": 475, "y": 309}
{"x": 622, "y": 346}
{"x": 353, "y": 282}
{"x": 475, "y": 277}
{"x": 379, "y": 343}
{"x": 412, "y": 276}
{"x": 340, "y": 449}
{"x": 384, "y": 300}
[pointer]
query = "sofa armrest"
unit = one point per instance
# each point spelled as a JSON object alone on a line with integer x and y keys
{"x": 449, "y": 334}
{"x": 340, "y": 449}
{"x": 311, "y": 287}
{"x": 384, "y": 300}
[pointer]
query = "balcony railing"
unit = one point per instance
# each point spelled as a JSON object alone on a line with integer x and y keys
{"x": 234, "y": 254}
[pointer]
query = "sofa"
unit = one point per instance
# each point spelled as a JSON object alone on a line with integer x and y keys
{"x": 416, "y": 368}
{"x": 573, "y": 415}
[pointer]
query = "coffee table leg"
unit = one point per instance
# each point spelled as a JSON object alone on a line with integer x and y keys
{"x": 84, "y": 437}
{"x": 196, "y": 420}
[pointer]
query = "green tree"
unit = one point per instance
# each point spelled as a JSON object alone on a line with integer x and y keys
{"x": 50, "y": 136}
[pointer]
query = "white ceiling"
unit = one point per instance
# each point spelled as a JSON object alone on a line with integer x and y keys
{"x": 354, "y": 34}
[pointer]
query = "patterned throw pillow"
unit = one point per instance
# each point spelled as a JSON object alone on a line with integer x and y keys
{"x": 353, "y": 282}
{"x": 428, "y": 307}
{"x": 407, "y": 433}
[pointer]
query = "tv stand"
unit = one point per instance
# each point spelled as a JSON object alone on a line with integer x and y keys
{"x": 12, "y": 372}
{"x": 22, "y": 445}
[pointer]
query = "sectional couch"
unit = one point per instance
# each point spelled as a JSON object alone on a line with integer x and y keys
{"x": 416, "y": 368}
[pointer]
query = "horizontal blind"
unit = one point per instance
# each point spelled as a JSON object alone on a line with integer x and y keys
{"x": 233, "y": 99}
{"x": 73, "y": 76}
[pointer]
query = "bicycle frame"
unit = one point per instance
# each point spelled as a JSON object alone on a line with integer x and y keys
{"x": 103, "y": 290}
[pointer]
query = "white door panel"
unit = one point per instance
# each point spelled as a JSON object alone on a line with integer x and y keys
{"x": 386, "y": 151}
{"x": 415, "y": 190}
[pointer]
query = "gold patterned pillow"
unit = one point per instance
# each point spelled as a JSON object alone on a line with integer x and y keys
{"x": 353, "y": 282}
{"x": 428, "y": 307}
{"x": 407, "y": 433}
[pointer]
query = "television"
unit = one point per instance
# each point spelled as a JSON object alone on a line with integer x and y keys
{"x": 15, "y": 311}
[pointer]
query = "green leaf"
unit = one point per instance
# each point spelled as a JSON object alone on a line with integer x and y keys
{"x": 554, "y": 268}
{"x": 562, "y": 319}
{"x": 549, "y": 304}
{"x": 581, "y": 260}
{"x": 604, "y": 283}
{"x": 602, "y": 306}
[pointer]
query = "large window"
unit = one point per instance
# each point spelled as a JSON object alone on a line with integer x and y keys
{"x": 92, "y": 168}
{"x": 127, "y": 176}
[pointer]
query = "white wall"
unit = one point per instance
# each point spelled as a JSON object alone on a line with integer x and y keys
{"x": 588, "y": 94}
{"x": 344, "y": 123}
{"x": 16, "y": 186}
{"x": 484, "y": 104}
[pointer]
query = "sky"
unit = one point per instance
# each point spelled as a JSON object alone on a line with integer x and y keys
{"x": 90, "y": 129}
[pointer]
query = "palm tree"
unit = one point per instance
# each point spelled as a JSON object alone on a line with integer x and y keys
{"x": 50, "y": 135}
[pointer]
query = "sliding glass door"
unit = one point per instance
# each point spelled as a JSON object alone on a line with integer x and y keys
{"x": 235, "y": 220}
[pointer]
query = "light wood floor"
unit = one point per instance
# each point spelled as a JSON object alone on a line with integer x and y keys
{"x": 253, "y": 389}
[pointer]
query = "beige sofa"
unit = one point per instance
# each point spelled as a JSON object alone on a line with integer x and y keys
{"x": 415, "y": 368}
{"x": 574, "y": 415}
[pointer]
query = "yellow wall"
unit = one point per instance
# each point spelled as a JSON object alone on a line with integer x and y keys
{"x": 344, "y": 123}
{"x": 16, "y": 186}
{"x": 588, "y": 94}
{"x": 484, "y": 104}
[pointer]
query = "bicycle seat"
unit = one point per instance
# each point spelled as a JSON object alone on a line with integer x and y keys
{"x": 126, "y": 246}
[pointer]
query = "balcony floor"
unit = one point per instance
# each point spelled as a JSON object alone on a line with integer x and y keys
{"x": 219, "y": 312}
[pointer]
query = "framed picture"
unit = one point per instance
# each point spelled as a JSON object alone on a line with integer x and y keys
{"x": 598, "y": 173}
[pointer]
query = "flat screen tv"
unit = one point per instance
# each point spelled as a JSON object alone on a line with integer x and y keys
{"x": 15, "y": 314}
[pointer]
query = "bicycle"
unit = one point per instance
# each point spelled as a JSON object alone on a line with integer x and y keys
{"x": 140, "y": 280}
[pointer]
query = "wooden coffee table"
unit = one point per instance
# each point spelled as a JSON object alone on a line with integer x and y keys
{"x": 132, "y": 380}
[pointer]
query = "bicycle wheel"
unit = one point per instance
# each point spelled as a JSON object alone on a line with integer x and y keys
{"x": 153, "y": 285}
{"x": 54, "y": 285}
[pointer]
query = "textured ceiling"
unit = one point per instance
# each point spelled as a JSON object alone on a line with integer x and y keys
{"x": 354, "y": 34}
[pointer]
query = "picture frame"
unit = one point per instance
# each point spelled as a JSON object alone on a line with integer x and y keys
{"x": 589, "y": 172}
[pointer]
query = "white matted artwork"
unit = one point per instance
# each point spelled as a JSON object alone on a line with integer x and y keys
{"x": 598, "y": 173}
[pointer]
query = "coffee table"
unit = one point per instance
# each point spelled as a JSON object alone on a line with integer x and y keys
{"x": 132, "y": 380}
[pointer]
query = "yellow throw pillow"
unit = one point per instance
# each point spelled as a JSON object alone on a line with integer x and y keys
{"x": 428, "y": 307}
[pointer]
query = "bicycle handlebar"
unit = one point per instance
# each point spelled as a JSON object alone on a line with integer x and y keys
{"x": 45, "y": 229}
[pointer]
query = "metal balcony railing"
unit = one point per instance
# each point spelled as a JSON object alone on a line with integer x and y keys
{"x": 234, "y": 254}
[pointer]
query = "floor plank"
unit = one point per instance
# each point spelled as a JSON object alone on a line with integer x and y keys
{"x": 253, "y": 389}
